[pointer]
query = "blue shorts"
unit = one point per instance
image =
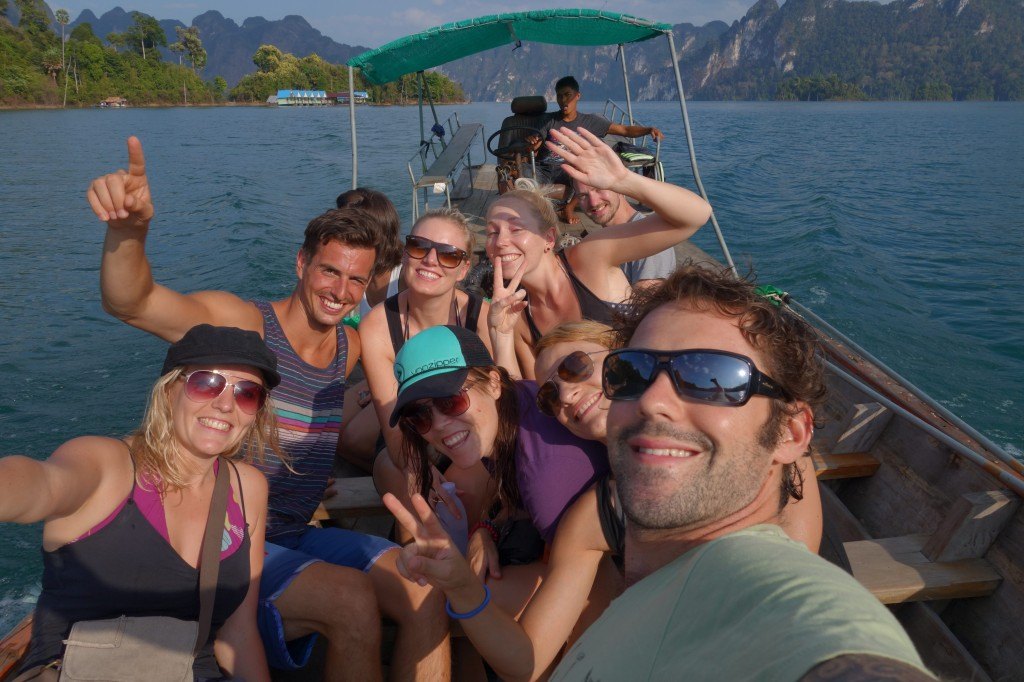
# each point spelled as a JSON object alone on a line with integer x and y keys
{"x": 290, "y": 556}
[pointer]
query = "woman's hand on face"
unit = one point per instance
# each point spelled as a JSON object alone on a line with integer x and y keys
{"x": 482, "y": 554}
{"x": 588, "y": 159}
{"x": 431, "y": 558}
{"x": 508, "y": 301}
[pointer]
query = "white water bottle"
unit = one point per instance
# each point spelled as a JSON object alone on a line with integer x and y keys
{"x": 456, "y": 528}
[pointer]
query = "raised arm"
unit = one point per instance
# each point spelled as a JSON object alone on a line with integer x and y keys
{"x": 503, "y": 318}
{"x": 122, "y": 200}
{"x": 678, "y": 212}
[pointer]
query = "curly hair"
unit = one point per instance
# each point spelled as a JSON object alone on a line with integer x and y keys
{"x": 155, "y": 451}
{"x": 789, "y": 346}
{"x": 416, "y": 450}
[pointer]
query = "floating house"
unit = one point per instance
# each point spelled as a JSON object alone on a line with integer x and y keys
{"x": 117, "y": 102}
{"x": 301, "y": 97}
{"x": 361, "y": 97}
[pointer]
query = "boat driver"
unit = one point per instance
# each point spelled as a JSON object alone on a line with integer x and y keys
{"x": 549, "y": 164}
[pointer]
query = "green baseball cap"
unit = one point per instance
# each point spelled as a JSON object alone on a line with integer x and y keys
{"x": 435, "y": 364}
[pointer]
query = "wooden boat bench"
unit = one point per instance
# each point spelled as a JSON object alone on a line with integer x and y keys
{"x": 945, "y": 565}
{"x": 442, "y": 171}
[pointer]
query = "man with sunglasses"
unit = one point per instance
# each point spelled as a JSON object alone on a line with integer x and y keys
{"x": 712, "y": 400}
{"x": 327, "y": 581}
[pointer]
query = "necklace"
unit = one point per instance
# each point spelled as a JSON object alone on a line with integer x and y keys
{"x": 455, "y": 307}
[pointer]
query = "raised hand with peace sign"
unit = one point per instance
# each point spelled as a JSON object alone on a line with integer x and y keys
{"x": 122, "y": 199}
{"x": 507, "y": 306}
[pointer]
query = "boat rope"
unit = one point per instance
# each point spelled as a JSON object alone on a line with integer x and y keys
{"x": 693, "y": 154}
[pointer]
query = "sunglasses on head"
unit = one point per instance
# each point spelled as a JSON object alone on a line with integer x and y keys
{"x": 447, "y": 255}
{"x": 203, "y": 385}
{"x": 573, "y": 369}
{"x": 419, "y": 415}
{"x": 710, "y": 376}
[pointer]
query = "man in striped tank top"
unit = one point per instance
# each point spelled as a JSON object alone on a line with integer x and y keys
{"x": 328, "y": 581}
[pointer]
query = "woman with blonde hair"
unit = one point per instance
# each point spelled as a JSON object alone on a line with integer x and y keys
{"x": 583, "y": 281}
{"x": 125, "y": 519}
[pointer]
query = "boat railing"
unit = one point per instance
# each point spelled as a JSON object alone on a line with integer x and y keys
{"x": 616, "y": 114}
{"x": 438, "y": 159}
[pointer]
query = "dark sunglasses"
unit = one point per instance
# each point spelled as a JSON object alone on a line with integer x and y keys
{"x": 419, "y": 416}
{"x": 710, "y": 376}
{"x": 447, "y": 255}
{"x": 203, "y": 385}
{"x": 574, "y": 368}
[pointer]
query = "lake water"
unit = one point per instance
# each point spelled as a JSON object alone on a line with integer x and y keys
{"x": 902, "y": 224}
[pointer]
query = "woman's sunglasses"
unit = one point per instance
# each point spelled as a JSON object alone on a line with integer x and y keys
{"x": 574, "y": 368}
{"x": 203, "y": 385}
{"x": 710, "y": 376}
{"x": 447, "y": 255}
{"x": 419, "y": 415}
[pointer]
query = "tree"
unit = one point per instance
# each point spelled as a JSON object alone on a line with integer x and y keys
{"x": 267, "y": 58}
{"x": 179, "y": 49}
{"x": 145, "y": 31}
{"x": 83, "y": 33}
{"x": 63, "y": 18}
{"x": 33, "y": 19}
{"x": 220, "y": 86}
{"x": 52, "y": 63}
{"x": 188, "y": 38}
{"x": 116, "y": 40}
{"x": 3, "y": 8}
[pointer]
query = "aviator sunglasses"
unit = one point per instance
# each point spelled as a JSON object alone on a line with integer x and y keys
{"x": 203, "y": 385}
{"x": 447, "y": 255}
{"x": 573, "y": 369}
{"x": 717, "y": 377}
{"x": 420, "y": 417}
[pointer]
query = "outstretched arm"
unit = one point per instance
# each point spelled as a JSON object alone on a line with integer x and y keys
{"x": 678, "y": 212}
{"x": 635, "y": 131}
{"x": 122, "y": 200}
{"x": 32, "y": 491}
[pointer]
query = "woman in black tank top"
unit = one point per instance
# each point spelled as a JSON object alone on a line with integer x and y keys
{"x": 436, "y": 259}
{"x": 103, "y": 557}
{"x": 583, "y": 281}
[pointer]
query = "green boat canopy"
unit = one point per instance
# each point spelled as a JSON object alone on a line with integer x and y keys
{"x": 442, "y": 44}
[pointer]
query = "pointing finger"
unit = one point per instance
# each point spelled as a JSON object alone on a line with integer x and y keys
{"x": 136, "y": 160}
{"x": 499, "y": 280}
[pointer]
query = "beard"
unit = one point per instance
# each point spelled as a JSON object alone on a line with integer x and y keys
{"x": 694, "y": 494}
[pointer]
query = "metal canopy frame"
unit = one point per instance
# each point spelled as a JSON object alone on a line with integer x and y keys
{"x": 532, "y": 23}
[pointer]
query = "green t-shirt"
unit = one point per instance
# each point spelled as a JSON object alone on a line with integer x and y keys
{"x": 752, "y": 605}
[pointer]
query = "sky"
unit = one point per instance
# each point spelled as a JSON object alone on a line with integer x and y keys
{"x": 352, "y": 22}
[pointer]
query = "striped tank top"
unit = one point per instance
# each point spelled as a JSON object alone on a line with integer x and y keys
{"x": 308, "y": 405}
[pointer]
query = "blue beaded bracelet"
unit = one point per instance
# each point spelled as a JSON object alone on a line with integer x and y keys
{"x": 469, "y": 614}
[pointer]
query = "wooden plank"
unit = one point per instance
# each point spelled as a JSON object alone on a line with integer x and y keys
{"x": 895, "y": 570}
{"x": 13, "y": 646}
{"x": 445, "y": 164}
{"x": 355, "y": 497}
{"x": 829, "y": 466}
{"x": 972, "y": 525}
{"x": 859, "y": 428}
